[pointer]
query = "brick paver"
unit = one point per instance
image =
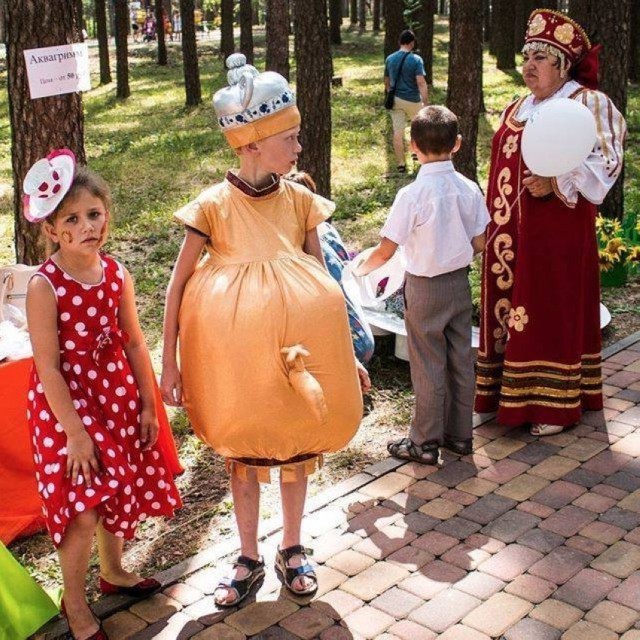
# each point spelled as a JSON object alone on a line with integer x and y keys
{"x": 532, "y": 539}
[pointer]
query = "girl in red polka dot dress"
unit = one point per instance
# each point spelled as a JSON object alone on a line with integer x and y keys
{"x": 91, "y": 402}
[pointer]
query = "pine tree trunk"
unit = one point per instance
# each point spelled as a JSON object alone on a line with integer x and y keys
{"x": 353, "y": 13}
{"x": 393, "y": 24}
{"x": 523, "y": 11}
{"x": 246, "y": 29}
{"x": 190, "y": 54}
{"x": 335, "y": 21}
{"x": 103, "y": 41}
{"x": 227, "y": 45}
{"x": 2, "y": 24}
{"x": 583, "y": 12}
{"x": 160, "y": 34}
{"x": 41, "y": 125}
{"x": 79, "y": 18}
{"x": 362, "y": 16}
{"x": 611, "y": 24}
{"x": 504, "y": 15}
{"x": 313, "y": 91}
{"x": 121, "y": 24}
{"x": 277, "y": 37}
{"x": 424, "y": 34}
{"x": 487, "y": 21}
{"x": 634, "y": 42}
{"x": 464, "y": 94}
{"x": 376, "y": 16}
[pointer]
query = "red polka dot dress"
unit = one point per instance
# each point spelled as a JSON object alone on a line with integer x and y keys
{"x": 133, "y": 484}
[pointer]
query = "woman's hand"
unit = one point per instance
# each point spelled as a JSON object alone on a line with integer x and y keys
{"x": 363, "y": 376}
{"x": 538, "y": 186}
{"x": 81, "y": 457}
{"x": 171, "y": 385}
{"x": 148, "y": 428}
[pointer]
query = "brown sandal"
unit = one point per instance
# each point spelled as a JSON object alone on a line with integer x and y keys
{"x": 288, "y": 574}
{"x": 407, "y": 449}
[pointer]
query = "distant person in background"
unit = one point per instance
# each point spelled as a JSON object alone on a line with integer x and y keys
{"x": 404, "y": 70}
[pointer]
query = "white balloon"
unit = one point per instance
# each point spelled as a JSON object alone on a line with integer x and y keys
{"x": 370, "y": 291}
{"x": 558, "y": 137}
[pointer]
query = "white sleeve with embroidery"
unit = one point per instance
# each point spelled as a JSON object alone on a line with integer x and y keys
{"x": 596, "y": 175}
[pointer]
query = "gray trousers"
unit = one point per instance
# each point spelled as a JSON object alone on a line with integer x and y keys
{"x": 438, "y": 320}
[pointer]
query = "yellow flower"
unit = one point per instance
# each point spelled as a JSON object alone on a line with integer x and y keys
{"x": 634, "y": 255}
{"x": 510, "y": 146}
{"x": 518, "y": 318}
{"x": 615, "y": 248}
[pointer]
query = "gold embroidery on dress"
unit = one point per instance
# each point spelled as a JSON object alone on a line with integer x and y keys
{"x": 540, "y": 403}
{"x": 501, "y": 311}
{"x": 504, "y": 254}
{"x": 518, "y": 318}
{"x": 510, "y": 146}
{"x": 500, "y": 203}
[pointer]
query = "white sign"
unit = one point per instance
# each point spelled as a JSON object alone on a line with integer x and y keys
{"x": 53, "y": 71}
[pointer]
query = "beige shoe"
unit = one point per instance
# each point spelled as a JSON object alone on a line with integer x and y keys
{"x": 546, "y": 429}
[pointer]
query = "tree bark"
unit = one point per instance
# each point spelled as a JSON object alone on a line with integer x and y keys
{"x": 634, "y": 41}
{"x": 41, "y": 125}
{"x": 79, "y": 18}
{"x": 504, "y": 15}
{"x": 393, "y": 24}
{"x": 335, "y": 21}
{"x": 523, "y": 11}
{"x": 464, "y": 93}
{"x": 121, "y": 24}
{"x": 487, "y": 21}
{"x": 376, "y": 16}
{"x": 610, "y": 23}
{"x": 227, "y": 45}
{"x": 103, "y": 41}
{"x": 582, "y": 11}
{"x": 160, "y": 34}
{"x": 190, "y": 54}
{"x": 246, "y": 29}
{"x": 362, "y": 16}
{"x": 424, "y": 34}
{"x": 277, "y": 37}
{"x": 353, "y": 13}
{"x": 313, "y": 91}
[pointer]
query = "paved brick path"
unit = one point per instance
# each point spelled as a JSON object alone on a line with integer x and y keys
{"x": 527, "y": 538}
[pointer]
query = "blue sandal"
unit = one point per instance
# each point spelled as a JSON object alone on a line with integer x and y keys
{"x": 241, "y": 586}
{"x": 288, "y": 574}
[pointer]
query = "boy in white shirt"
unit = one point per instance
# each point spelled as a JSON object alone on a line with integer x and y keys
{"x": 440, "y": 219}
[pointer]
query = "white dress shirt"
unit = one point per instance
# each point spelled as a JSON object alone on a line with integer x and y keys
{"x": 435, "y": 218}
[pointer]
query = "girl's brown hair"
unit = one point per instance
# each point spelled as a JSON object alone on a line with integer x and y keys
{"x": 83, "y": 179}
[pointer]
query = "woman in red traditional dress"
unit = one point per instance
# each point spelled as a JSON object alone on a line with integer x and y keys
{"x": 539, "y": 357}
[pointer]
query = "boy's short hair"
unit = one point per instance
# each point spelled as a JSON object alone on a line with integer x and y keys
{"x": 407, "y": 36}
{"x": 435, "y": 130}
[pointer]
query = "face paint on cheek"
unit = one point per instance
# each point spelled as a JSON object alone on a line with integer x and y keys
{"x": 104, "y": 231}
{"x": 67, "y": 237}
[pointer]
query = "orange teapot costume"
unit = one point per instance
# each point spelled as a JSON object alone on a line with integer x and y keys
{"x": 268, "y": 369}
